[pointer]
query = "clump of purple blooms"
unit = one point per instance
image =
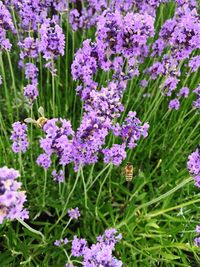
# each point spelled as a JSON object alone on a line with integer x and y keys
{"x": 100, "y": 253}
{"x": 52, "y": 41}
{"x": 19, "y": 137}
{"x": 11, "y": 198}
{"x": 179, "y": 38}
{"x": 58, "y": 141}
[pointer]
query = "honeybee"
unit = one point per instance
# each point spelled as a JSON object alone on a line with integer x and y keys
{"x": 128, "y": 172}
{"x": 40, "y": 122}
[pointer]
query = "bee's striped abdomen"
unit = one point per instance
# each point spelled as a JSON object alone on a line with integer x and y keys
{"x": 128, "y": 172}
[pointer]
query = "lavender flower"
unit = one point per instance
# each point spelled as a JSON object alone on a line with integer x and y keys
{"x": 137, "y": 28}
{"x": 57, "y": 141}
{"x": 184, "y": 92}
{"x": 69, "y": 265}
{"x": 57, "y": 243}
{"x": 193, "y": 166}
{"x": 194, "y": 63}
{"x": 174, "y": 104}
{"x": 31, "y": 72}
{"x": 11, "y": 198}
{"x": 144, "y": 83}
{"x": 31, "y": 13}
{"x": 19, "y": 137}
{"x": 44, "y": 161}
{"x": 198, "y": 229}
{"x": 52, "y": 40}
{"x": 116, "y": 154}
{"x": 170, "y": 85}
{"x": 31, "y": 92}
{"x": 29, "y": 48}
{"x": 5, "y": 25}
{"x": 131, "y": 130}
{"x": 78, "y": 246}
{"x": 99, "y": 254}
{"x": 74, "y": 213}
{"x": 197, "y": 241}
{"x": 196, "y": 103}
{"x": 61, "y": 242}
{"x": 85, "y": 17}
{"x": 58, "y": 177}
{"x": 85, "y": 63}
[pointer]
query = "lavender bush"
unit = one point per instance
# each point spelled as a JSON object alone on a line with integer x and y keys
{"x": 87, "y": 87}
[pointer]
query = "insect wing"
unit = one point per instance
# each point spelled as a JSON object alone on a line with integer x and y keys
{"x": 41, "y": 111}
{"x": 30, "y": 120}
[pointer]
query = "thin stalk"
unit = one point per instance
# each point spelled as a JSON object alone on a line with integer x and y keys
{"x": 53, "y": 92}
{"x": 85, "y": 189}
{"x": 61, "y": 236}
{"x": 101, "y": 186}
{"x": 31, "y": 229}
{"x": 97, "y": 177}
{"x": 8, "y": 102}
{"x": 44, "y": 189}
{"x": 151, "y": 215}
{"x": 13, "y": 80}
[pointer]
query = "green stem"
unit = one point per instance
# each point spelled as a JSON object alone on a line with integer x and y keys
{"x": 85, "y": 188}
{"x": 44, "y": 189}
{"x": 13, "y": 81}
{"x": 61, "y": 236}
{"x": 7, "y": 94}
{"x": 101, "y": 186}
{"x": 31, "y": 229}
{"x": 53, "y": 91}
{"x": 97, "y": 177}
{"x": 148, "y": 216}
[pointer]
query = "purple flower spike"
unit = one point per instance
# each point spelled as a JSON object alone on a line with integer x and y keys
{"x": 174, "y": 104}
{"x": 197, "y": 241}
{"x": 74, "y": 213}
{"x": 58, "y": 177}
{"x": 78, "y": 246}
{"x": 31, "y": 92}
{"x": 11, "y": 198}
{"x": 198, "y": 229}
{"x": 52, "y": 40}
{"x": 193, "y": 166}
{"x": 44, "y": 161}
{"x": 184, "y": 92}
{"x": 19, "y": 137}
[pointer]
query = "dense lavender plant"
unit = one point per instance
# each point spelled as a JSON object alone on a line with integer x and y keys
{"x": 178, "y": 38}
{"x": 99, "y": 254}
